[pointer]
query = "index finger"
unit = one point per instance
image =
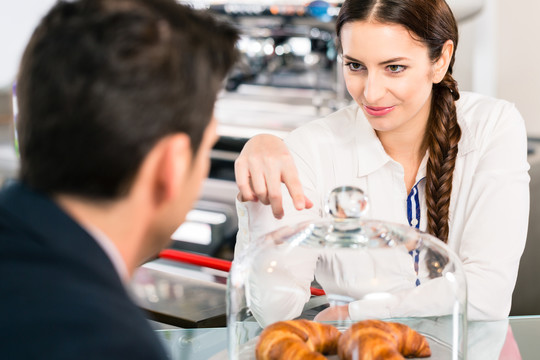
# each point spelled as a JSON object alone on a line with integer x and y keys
{"x": 294, "y": 186}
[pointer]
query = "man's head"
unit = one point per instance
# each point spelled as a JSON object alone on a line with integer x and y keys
{"x": 102, "y": 82}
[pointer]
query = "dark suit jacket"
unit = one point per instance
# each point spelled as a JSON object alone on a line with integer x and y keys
{"x": 60, "y": 295}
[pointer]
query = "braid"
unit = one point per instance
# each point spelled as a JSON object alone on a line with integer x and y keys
{"x": 443, "y": 135}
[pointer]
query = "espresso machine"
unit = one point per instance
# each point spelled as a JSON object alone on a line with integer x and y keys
{"x": 289, "y": 72}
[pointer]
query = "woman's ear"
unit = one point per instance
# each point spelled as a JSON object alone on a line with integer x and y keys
{"x": 440, "y": 66}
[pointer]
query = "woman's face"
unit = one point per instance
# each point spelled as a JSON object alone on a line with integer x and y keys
{"x": 389, "y": 74}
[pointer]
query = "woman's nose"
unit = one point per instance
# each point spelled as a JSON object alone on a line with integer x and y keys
{"x": 374, "y": 89}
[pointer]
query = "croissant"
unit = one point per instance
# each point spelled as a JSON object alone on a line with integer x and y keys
{"x": 297, "y": 339}
{"x": 376, "y": 339}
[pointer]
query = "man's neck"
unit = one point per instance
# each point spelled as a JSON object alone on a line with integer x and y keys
{"x": 116, "y": 221}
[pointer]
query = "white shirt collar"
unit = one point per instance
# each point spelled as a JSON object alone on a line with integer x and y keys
{"x": 110, "y": 249}
{"x": 371, "y": 153}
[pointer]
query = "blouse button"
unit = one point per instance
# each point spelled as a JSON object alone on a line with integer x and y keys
{"x": 414, "y": 222}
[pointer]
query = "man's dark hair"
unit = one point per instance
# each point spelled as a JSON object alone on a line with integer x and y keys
{"x": 102, "y": 81}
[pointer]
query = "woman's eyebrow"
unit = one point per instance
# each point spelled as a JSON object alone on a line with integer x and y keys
{"x": 393, "y": 60}
{"x": 386, "y": 62}
{"x": 347, "y": 57}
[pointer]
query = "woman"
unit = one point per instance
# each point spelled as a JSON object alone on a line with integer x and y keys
{"x": 454, "y": 165}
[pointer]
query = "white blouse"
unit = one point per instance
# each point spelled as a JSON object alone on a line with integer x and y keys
{"x": 489, "y": 205}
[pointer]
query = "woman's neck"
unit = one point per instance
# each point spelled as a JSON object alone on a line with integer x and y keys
{"x": 407, "y": 147}
{"x": 404, "y": 146}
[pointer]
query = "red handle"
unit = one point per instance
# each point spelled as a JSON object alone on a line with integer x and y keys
{"x": 209, "y": 262}
{"x": 195, "y": 259}
{"x": 317, "y": 292}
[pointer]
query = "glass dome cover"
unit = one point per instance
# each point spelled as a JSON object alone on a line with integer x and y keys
{"x": 344, "y": 269}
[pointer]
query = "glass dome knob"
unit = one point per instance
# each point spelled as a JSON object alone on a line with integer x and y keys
{"x": 347, "y": 202}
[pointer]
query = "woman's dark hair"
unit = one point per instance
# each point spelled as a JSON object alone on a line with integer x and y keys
{"x": 432, "y": 23}
{"x": 102, "y": 81}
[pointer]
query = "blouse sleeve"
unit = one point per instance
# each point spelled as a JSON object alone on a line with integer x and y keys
{"x": 496, "y": 218}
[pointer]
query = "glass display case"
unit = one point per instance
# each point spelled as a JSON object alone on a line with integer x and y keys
{"x": 344, "y": 269}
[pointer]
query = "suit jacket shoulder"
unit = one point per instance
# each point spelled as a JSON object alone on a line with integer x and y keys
{"x": 61, "y": 295}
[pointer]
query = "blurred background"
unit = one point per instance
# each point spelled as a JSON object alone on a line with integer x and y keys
{"x": 289, "y": 74}
{"x": 496, "y": 55}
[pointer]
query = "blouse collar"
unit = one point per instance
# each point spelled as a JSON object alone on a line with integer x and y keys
{"x": 370, "y": 152}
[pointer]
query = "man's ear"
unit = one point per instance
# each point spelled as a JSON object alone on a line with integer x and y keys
{"x": 173, "y": 163}
{"x": 440, "y": 66}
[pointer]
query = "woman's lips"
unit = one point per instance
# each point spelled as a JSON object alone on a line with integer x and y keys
{"x": 378, "y": 111}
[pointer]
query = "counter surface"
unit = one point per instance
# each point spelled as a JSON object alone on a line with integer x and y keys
{"x": 521, "y": 341}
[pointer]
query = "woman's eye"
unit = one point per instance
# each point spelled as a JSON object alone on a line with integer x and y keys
{"x": 354, "y": 66}
{"x": 396, "y": 68}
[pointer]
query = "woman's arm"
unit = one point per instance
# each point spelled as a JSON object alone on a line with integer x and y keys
{"x": 495, "y": 217}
